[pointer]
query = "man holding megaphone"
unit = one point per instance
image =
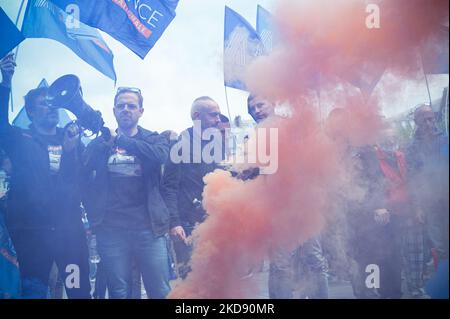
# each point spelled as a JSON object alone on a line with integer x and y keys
{"x": 44, "y": 215}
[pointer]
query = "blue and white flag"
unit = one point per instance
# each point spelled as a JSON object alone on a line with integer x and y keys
{"x": 241, "y": 46}
{"x": 137, "y": 24}
{"x": 45, "y": 20}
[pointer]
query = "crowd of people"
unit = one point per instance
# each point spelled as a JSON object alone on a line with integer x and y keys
{"x": 142, "y": 206}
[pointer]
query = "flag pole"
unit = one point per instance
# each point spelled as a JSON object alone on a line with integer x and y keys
{"x": 426, "y": 78}
{"x": 20, "y": 11}
{"x": 17, "y": 51}
{"x": 16, "y": 23}
{"x": 228, "y": 105}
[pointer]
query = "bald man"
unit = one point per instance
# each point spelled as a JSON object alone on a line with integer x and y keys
{"x": 205, "y": 110}
{"x": 189, "y": 173}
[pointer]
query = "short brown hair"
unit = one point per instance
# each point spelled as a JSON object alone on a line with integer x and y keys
{"x": 32, "y": 95}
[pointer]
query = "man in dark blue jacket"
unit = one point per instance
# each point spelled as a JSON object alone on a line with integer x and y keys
{"x": 126, "y": 201}
{"x": 44, "y": 216}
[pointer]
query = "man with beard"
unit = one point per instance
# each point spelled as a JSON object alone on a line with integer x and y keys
{"x": 125, "y": 202}
{"x": 44, "y": 216}
{"x": 187, "y": 166}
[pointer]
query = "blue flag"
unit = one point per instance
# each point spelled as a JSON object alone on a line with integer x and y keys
{"x": 241, "y": 46}
{"x": 9, "y": 34}
{"x": 137, "y": 24}
{"x": 265, "y": 29}
{"x": 45, "y": 20}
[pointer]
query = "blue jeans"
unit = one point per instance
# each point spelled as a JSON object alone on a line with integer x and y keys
{"x": 117, "y": 249}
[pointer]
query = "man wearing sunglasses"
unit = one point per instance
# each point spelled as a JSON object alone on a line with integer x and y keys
{"x": 126, "y": 203}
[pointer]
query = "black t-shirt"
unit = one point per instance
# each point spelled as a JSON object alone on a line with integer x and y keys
{"x": 127, "y": 196}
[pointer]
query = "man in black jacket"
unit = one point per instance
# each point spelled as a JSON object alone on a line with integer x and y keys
{"x": 44, "y": 216}
{"x": 125, "y": 200}
{"x": 188, "y": 164}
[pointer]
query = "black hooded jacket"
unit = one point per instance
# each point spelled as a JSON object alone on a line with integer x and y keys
{"x": 37, "y": 198}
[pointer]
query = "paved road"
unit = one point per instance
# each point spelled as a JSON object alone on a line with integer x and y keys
{"x": 337, "y": 290}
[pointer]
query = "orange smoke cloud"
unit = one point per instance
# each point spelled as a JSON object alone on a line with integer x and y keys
{"x": 324, "y": 43}
{"x": 248, "y": 218}
{"x": 323, "y": 39}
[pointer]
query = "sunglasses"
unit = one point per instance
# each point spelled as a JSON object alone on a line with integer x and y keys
{"x": 128, "y": 89}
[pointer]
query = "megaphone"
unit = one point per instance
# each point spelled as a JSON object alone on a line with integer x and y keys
{"x": 66, "y": 93}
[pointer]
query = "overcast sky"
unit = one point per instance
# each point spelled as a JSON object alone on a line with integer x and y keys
{"x": 184, "y": 64}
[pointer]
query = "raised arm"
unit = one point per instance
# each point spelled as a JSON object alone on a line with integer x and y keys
{"x": 7, "y": 66}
